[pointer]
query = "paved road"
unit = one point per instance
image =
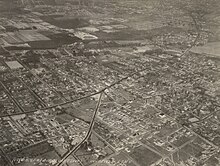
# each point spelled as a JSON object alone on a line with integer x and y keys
{"x": 75, "y": 148}
{"x": 74, "y": 100}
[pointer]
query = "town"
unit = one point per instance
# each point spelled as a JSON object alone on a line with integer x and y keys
{"x": 111, "y": 82}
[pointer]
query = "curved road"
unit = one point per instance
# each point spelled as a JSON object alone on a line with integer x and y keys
{"x": 74, "y": 149}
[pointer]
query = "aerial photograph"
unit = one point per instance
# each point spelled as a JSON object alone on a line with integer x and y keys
{"x": 109, "y": 82}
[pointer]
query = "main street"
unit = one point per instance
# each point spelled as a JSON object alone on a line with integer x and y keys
{"x": 75, "y": 148}
{"x": 81, "y": 98}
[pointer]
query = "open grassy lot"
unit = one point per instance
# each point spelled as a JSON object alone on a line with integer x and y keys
{"x": 144, "y": 156}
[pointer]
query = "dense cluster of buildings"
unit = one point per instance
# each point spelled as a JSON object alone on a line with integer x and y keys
{"x": 159, "y": 105}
